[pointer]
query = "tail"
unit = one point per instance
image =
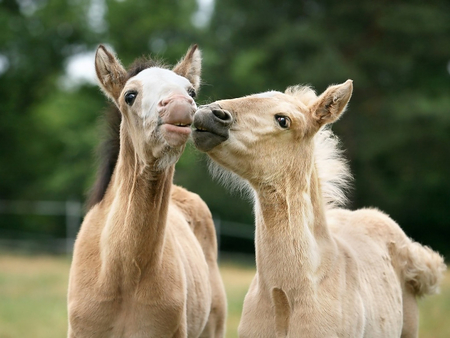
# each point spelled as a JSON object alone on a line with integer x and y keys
{"x": 423, "y": 269}
{"x": 108, "y": 155}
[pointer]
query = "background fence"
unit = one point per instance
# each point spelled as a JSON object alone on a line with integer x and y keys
{"x": 72, "y": 211}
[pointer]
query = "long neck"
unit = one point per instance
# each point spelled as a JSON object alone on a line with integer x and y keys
{"x": 139, "y": 198}
{"x": 292, "y": 239}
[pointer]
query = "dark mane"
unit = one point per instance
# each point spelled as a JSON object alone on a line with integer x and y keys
{"x": 108, "y": 151}
{"x": 143, "y": 63}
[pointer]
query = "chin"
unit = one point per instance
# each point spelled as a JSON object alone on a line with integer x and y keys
{"x": 206, "y": 141}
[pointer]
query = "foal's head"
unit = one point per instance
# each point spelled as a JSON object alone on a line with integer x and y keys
{"x": 261, "y": 136}
{"x": 157, "y": 104}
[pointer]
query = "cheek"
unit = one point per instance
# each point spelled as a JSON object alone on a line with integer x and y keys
{"x": 226, "y": 154}
{"x": 150, "y": 128}
{"x": 253, "y": 135}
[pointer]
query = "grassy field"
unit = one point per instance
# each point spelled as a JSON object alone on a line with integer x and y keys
{"x": 33, "y": 298}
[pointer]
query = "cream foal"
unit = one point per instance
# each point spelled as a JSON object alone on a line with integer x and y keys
{"x": 321, "y": 271}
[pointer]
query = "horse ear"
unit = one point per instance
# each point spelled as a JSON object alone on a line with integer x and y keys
{"x": 330, "y": 105}
{"x": 190, "y": 66}
{"x": 110, "y": 73}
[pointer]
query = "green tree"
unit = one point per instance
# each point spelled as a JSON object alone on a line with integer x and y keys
{"x": 49, "y": 132}
{"x": 33, "y": 45}
{"x": 396, "y": 131}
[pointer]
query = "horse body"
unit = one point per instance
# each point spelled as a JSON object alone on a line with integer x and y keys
{"x": 145, "y": 260}
{"x": 355, "y": 290}
{"x": 142, "y": 296}
{"x": 321, "y": 271}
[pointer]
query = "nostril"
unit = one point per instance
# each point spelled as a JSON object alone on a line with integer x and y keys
{"x": 163, "y": 102}
{"x": 222, "y": 114}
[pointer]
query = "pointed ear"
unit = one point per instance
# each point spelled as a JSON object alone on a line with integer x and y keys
{"x": 330, "y": 105}
{"x": 190, "y": 66}
{"x": 110, "y": 73}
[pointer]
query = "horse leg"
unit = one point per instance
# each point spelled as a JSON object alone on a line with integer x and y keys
{"x": 410, "y": 316}
{"x": 215, "y": 327}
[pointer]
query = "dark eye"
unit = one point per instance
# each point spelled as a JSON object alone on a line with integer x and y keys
{"x": 192, "y": 93}
{"x": 130, "y": 97}
{"x": 283, "y": 121}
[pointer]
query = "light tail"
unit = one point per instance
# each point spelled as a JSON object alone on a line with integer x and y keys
{"x": 423, "y": 269}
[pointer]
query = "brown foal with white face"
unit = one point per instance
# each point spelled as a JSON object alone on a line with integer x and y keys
{"x": 145, "y": 260}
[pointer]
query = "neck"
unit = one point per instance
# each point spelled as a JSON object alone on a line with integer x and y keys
{"x": 138, "y": 205}
{"x": 292, "y": 239}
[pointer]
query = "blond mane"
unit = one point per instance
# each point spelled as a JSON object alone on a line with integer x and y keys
{"x": 332, "y": 167}
{"x": 334, "y": 172}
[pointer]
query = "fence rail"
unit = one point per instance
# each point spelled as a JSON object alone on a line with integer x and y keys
{"x": 72, "y": 210}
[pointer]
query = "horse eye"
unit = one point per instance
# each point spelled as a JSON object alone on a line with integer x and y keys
{"x": 192, "y": 93}
{"x": 130, "y": 97}
{"x": 283, "y": 121}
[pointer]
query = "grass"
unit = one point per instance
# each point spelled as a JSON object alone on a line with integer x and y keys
{"x": 33, "y": 298}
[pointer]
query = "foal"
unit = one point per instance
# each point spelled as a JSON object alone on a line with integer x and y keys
{"x": 321, "y": 271}
{"x": 144, "y": 261}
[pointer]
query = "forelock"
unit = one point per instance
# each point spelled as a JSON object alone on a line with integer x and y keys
{"x": 268, "y": 94}
{"x": 141, "y": 64}
{"x": 305, "y": 94}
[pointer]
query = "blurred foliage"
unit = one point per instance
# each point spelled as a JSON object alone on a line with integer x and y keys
{"x": 396, "y": 130}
